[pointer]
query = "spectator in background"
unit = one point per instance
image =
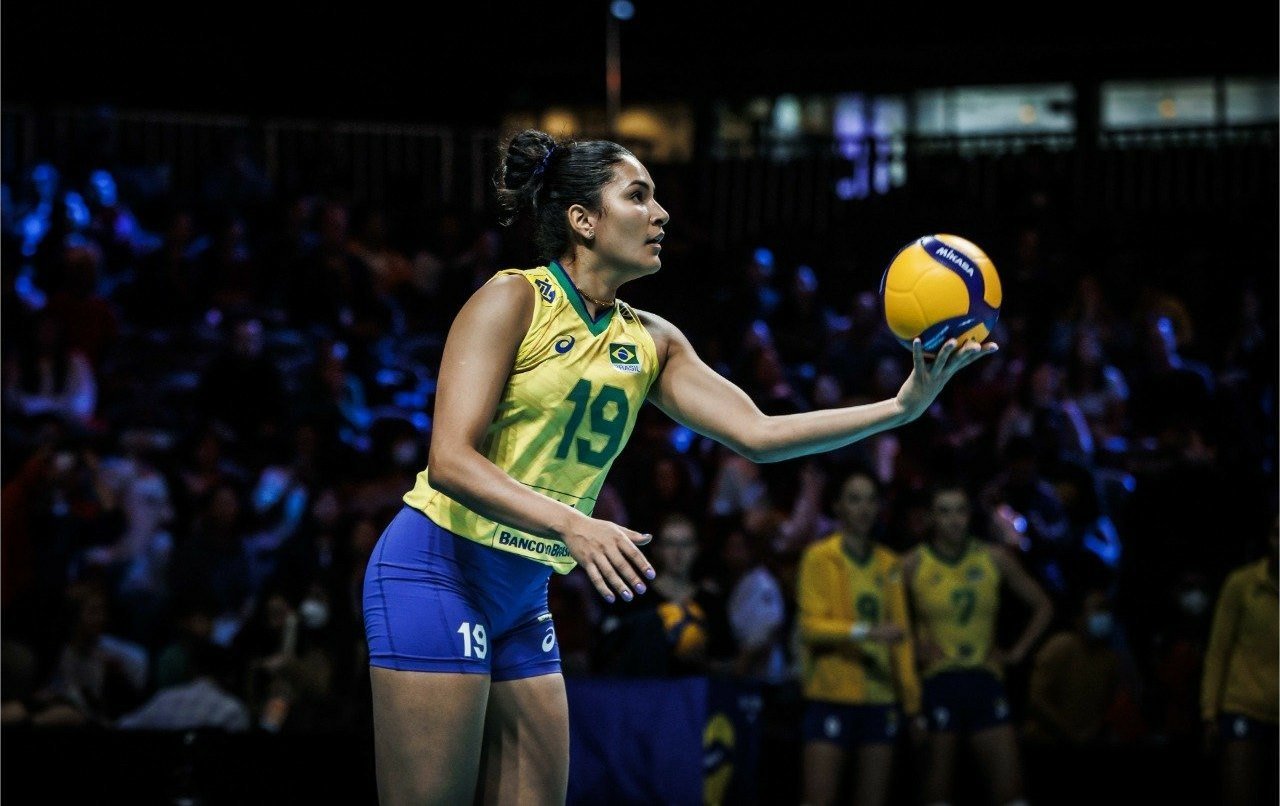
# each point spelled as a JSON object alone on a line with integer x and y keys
{"x": 288, "y": 659}
{"x": 137, "y": 563}
{"x": 692, "y": 615}
{"x": 202, "y": 703}
{"x": 227, "y": 266}
{"x": 1022, "y": 488}
{"x": 212, "y": 562}
{"x": 1076, "y": 678}
{"x": 335, "y": 398}
{"x": 193, "y": 622}
{"x": 88, "y": 318}
{"x": 99, "y": 675}
{"x": 1171, "y": 392}
{"x": 242, "y": 388}
{"x": 46, "y": 375}
{"x": 756, "y": 608}
{"x": 857, "y": 665}
{"x": 1098, "y": 390}
{"x": 802, "y": 323}
{"x": 1240, "y": 695}
{"x": 333, "y": 289}
{"x": 389, "y": 269}
{"x": 203, "y": 465}
{"x": 167, "y": 292}
{"x": 1041, "y": 413}
{"x": 113, "y": 225}
{"x": 669, "y": 633}
{"x": 1176, "y": 661}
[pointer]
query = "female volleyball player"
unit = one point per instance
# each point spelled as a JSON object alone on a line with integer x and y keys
{"x": 542, "y": 375}
{"x": 954, "y": 584}
{"x": 859, "y": 677}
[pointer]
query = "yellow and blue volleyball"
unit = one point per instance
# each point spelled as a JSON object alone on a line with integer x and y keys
{"x": 685, "y": 626}
{"x": 940, "y": 287}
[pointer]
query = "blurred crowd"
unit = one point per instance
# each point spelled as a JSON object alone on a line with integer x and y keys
{"x": 213, "y": 405}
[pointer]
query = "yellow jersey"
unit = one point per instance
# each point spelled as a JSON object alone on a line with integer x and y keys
{"x": 569, "y": 406}
{"x": 1241, "y": 672}
{"x": 835, "y": 591}
{"x": 955, "y": 605}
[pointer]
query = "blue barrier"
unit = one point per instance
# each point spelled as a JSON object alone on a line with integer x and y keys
{"x": 682, "y": 741}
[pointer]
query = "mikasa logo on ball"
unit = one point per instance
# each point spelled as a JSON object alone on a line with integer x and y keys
{"x": 954, "y": 256}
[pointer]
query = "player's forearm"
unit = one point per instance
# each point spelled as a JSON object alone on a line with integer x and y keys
{"x": 822, "y": 631}
{"x": 1040, "y": 621}
{"x": 787, "y": 436}
{"x": 482, "y": 487}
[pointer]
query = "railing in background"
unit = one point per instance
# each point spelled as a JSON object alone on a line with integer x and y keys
{"x": 800, "y": 188}
{"x": 366, "y": 162}
{"x": 1128, "y": 174}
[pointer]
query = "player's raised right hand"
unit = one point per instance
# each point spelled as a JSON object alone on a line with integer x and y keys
{"x": 610, "y": 555}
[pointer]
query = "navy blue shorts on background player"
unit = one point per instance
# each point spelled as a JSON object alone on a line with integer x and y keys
{"x": 849, "y": 725}
{"x": 965, "y": 701}
{"x": 436, "y": 602}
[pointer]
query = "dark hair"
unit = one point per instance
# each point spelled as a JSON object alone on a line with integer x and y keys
{"x": 948, "y": 485}
{"x": 545, "y": 178}
{"x": 676, "y": 519}
{"x": 840, "y": 476}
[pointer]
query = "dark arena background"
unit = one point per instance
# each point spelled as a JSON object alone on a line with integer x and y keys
{"x": 234, "y": 238}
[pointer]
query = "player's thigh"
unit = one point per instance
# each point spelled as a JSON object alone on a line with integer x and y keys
{"x": 428, "y": 732}
{"x": 526, "y": 741}
{"x": 823, "y": 764}
{"x": 873, "y": 774}
{"x": 939, "y": 766}
{"x": 995, "y": 751}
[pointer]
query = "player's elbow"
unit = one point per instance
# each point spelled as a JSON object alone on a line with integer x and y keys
{"x": 756, "y": 441}
{"x": 445, "y": 472}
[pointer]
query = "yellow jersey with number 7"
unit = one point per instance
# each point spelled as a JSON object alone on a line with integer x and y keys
{"x": 955, "y": 603}
{"x": 569, "y": 406}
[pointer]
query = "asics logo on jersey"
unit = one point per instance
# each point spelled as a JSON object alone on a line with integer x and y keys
{"x": 546, "y": 289}
{"x": 564, "y": 345}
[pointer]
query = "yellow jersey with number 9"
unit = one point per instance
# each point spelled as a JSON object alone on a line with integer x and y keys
{"x": 955, "y": 604}
{"x": 569, "y": 406}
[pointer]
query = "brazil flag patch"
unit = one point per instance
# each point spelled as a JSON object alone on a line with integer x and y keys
{"x": 624, "y": 357}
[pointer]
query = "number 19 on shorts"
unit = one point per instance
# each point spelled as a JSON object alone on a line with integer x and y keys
{"x": 475, "y": 642}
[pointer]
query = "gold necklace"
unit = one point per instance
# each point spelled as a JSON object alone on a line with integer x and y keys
{"x": 590, "y": 298}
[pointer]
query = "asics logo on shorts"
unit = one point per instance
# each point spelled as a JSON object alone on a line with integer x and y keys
{"x": 549, "y": 640}
{"x": 941, "y": 716}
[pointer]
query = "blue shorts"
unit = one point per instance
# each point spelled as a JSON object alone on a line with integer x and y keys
{"x": 850, "y": 725}
{"x": 1241, "y": 728}
{"x": 965, "y": 701}
{"x": 436, "y": 602}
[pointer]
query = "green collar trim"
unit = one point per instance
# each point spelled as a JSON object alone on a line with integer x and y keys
{"x": 596, "y": 326}
{"x": 942, "y": 558}
{"x": 864, "y": 561}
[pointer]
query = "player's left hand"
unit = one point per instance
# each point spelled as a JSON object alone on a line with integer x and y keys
{"x": 926, "y": 380}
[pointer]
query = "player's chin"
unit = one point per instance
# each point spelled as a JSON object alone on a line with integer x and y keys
{"x": 650, "y": 265}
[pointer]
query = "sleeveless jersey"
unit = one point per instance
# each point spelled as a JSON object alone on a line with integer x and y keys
{"x": 955, "y": 604}
{"x": 835, "y": 591}
{"x": 568, "y": 408}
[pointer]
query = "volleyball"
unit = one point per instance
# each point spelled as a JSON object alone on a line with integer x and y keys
{"x": 940, "y": 287}
{"x": 685, "y": 626}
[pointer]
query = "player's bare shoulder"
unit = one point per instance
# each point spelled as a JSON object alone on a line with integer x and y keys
{"x": 664, "y": 334}
{"x": 1001, "y": 557}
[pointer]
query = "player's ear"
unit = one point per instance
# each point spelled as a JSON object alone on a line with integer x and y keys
{"x": 582, "y": 221}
